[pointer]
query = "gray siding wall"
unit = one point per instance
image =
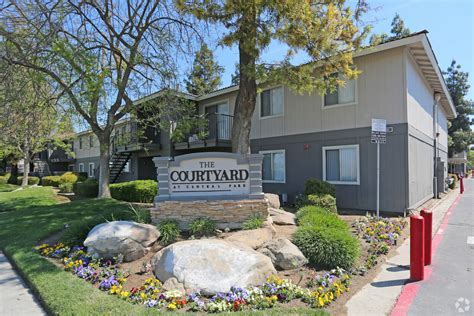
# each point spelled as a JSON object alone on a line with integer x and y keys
{"x": 86, "y": 162}
{"x": 302, "y": 164}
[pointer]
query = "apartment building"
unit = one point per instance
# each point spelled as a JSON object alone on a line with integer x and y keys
{"x": 324, "y": 137}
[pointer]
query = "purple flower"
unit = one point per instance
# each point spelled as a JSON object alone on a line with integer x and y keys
{"x": 151, "y": 303}
{"x": 106, "y": 284}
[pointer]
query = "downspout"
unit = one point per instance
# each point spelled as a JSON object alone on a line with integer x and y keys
{"x": 437, "y": 97}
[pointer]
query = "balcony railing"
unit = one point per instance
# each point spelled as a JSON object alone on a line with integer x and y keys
{"x": 134, "y": 138}
{"x": 218, "y": 133}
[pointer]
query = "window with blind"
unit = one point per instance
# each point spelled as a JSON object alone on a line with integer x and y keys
{"x": 273, "y": 167}
{"x": 271, "y": 102}
{"x": 342, "y": 95}
{"x": 341, "y": 164}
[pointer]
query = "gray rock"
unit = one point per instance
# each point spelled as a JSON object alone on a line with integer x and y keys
{"x": 173, "y": 284}
{"x": 275, "y": 211}
{"x": 284, "y": 218}
{"x": 211, "y": 265}
{"x": 253, "y": 238}
{"x": 284, "y": 254}
{"x": 130, "y": 239}
{"x": 273, "y": 200}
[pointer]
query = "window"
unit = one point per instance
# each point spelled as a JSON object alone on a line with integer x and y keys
{"x": 81, "y": 167}
{"x": 343, "y": 95}
{"x": 80, "y": 142}
{"x": 91, "y": 170}
{"x": 273, "y": 168}
{"x": 271, "y": 102}
{"x": 72, "y": 145}
{"x": 91, "y": 141}
{"x": 126, "y": 168}
{"x": 341, "y": 164}
{"x": 70, "y": 168}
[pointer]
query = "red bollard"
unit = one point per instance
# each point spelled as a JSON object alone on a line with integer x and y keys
{"x": 417, "y": 265}
{"x": 428, "y": 223}
{"x": 461, "y": 185}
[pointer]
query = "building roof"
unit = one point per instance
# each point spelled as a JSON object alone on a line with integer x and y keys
{"x": 419, "y": 47}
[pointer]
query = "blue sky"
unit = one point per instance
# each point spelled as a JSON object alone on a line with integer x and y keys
{"x": 450, "y": 24}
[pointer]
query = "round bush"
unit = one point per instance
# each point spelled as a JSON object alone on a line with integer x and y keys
{"x": 31, "y": 180}
{"x": 326, "y": 201}
{"x": 315, "y": 186}
{"x": 69, "y": 177}
{"x": 88, "y": 188}
{"x": 327, "y": 248}
{"x": 319, "y": 217}
{"x": 66, "y": 187}
{"x": 143, "y": 191}
{"x": 52, "y": 181}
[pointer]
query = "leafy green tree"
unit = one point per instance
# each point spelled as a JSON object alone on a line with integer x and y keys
{"x": 100, "y": 55}
{"x": 235, "y": 77}
{"x": 398, "y": 31}
{"x": 460, "y": 133}
{"x": 325, "y": 31}
{"x": 206, "y": 73}
{"x": 28, "y": 117}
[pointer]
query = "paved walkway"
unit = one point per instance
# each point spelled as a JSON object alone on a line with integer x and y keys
{"x": 15, "y": 297}
{"x": 378, "y": 297}
{"x": 449, "y": 288}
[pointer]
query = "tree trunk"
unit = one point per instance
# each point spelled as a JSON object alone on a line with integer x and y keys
{"x": 104, "y": 172}
{"x": 247, "y": 95}
{"x": 14, "y": 173}
{"x": 26, "y": 171}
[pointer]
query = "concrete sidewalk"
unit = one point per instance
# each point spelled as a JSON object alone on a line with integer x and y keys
{"x": 379, "y": 296}
{"x": 15, "y": 297}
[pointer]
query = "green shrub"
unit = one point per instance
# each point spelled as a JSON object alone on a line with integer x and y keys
{"x": 325, "y": 201}
{"x": 253, "y": 222}
{"x": 327, "y": 248}
{"x": 201, "y": 227}
{"x": 140, "y": 214}
{"x": 88, "y": 188}
{"x": 81, "y": 176}
{"x": 315, "y": 186}
{"x": 143, "y": 191}
{"x": 169, "y": 231}
{"x": 53, "y": 181}
{"x": 3, "y": 180}
{"x": 452, "y": 185}
{"x": 316, "y": 216}
{"x": 31, "y": 180}
{"x": 66, "y": 187}
{"x": 69, "y": 177}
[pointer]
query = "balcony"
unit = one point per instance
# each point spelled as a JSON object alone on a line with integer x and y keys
{"x": 218, "y": 134}
{"x": 133, "y": 137}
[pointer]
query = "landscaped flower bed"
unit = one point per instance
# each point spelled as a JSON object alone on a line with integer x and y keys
{"x": 321, "y": 291}
{"x": 381, "y": 233}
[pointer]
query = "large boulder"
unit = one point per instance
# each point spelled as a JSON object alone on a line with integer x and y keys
{"x": 284, "y": 254}
{"x": 283, "y": 218}
{"x": 273, "y": 200}
{"x": 211, "y": 265}
{"x": 130, "y": 239}
{"x": 253, "y": 238}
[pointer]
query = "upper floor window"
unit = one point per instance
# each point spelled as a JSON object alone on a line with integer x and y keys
{"x": 271, "y": 102}
{"x": 80, "y": 142}
{"x": 91, "y": 141}
{"x": 343, "y": 95}
{"x": 72, "y": 145}
{"x": 341, "y": 164}
{"x": 273, "y": 167}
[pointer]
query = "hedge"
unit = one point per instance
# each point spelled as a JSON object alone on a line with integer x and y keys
{"x": 325, "y": 239}
{"x": 31, "y": 180}
{"x": 4, "y": 178}
{"x": 143, "y": 191}
{"x": 53, "y": 181}
{"x": 315, "y": 186}
{"x": 325, "y": 201}
{"x": 69, "y": 177}
{"x": 88, "y": 188}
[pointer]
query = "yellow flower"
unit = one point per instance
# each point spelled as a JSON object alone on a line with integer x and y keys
{"x": 143, "y": 295}
{"x": 331, "y": 296}
{"x": 171, "y": 306}
{"x": 124, "y": 294}
{"x": 321, "y": 301}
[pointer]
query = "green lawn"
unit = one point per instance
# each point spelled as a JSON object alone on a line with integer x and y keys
{"x": 32, "y": 214}
{"x": 7, "y": 187}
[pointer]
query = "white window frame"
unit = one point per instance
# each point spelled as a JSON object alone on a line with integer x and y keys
{"x": 81, "y": 167}
{"x": 259, "y": 103}
{"x": 89, "y": 169}
{"x": 127, "y": 166}
{"x": 338, "y": 105}
{"x": 277, "y": 151}
{"x": 356, "y": 146}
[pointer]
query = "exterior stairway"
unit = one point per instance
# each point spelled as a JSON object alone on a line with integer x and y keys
{"x": 117, "y": 164}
